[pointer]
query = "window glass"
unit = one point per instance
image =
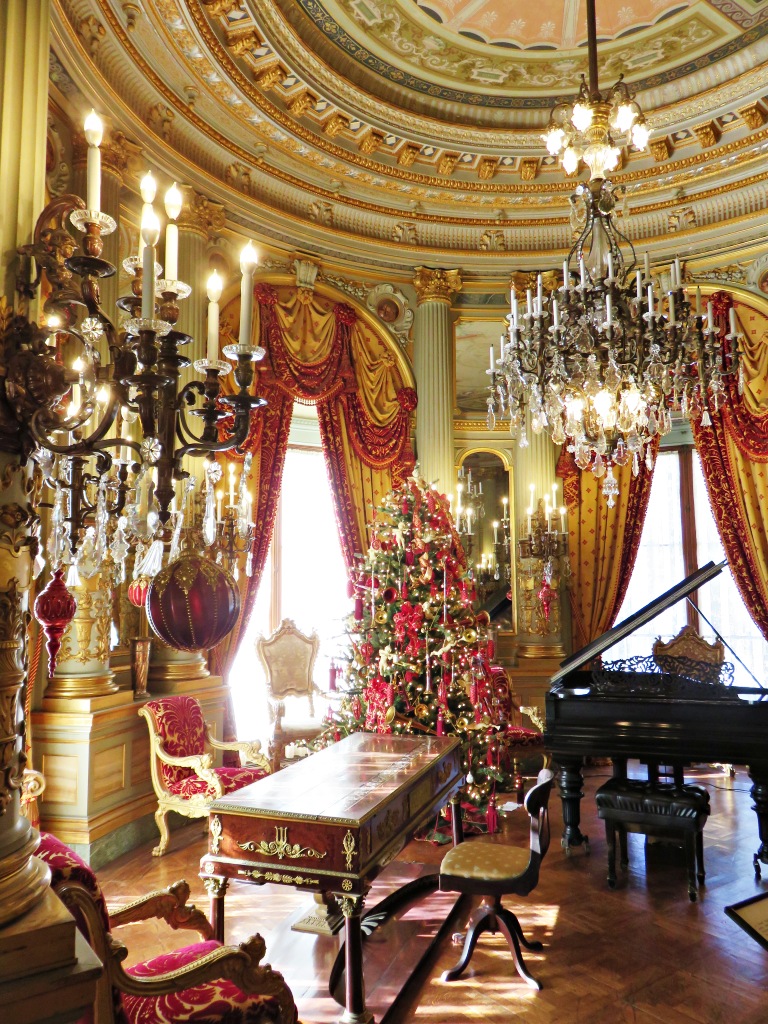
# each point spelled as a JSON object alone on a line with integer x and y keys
{"x": 311, "y": 590}
{"x": 659, "y": 564}
{"x": 720, "y": 600}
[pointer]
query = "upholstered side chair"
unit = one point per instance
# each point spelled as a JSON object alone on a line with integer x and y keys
{"x": 206, "y": 982}
{"x": 481, "y": 867}
{"x": 183, "y": 774}
{"x": 288, "y": 658}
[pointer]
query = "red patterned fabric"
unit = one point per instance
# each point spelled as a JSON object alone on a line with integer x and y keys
{"x": 230, "y": 778}
{"x": 67, "y": 866}
{"x": 517, "y": 736}
{"x": 213, "y": 1002}
{"x": 733, "y": 452}
{"x": 180, "y": 725}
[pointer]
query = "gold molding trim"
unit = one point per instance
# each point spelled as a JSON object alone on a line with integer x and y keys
{"x": 281, "y": 847}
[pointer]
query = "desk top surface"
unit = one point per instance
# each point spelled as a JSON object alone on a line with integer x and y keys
{"x": 347, "y": 781}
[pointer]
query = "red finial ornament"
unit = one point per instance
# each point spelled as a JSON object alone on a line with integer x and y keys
{"x": 55, "y": 608}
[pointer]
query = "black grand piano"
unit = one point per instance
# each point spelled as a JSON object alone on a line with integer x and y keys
{"x": 661, "y": 714}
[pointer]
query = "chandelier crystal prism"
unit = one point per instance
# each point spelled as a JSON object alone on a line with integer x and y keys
{"x": 601, "y": 360}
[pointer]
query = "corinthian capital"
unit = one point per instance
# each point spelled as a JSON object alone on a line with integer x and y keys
{"x": 436, "y": 285}
{"x": 200, "y": 214}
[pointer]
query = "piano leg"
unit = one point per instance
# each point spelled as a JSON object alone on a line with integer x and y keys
{"x": 354, "y": 995}
{"x": 759, "y": 793}
{"x": 571, "y": 783}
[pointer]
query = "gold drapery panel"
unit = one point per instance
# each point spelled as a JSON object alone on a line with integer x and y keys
{"x": 321, "y": 352}
{"x": 734, "y": 458}
{"x": 603, "y": 543}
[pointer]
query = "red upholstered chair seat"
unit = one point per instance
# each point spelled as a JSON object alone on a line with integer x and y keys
{"x": 183, "y": 749}
{"x": 230, "y": 778}
{"x": 214, "y": 1001}
{"x": 518, "y": 736}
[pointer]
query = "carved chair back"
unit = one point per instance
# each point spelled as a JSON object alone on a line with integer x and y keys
{"x": 688, "y": 644}
{"x": 288, "y": 657}
{"x": 178, "y": 724}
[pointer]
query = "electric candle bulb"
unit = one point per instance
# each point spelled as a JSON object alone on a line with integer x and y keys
{"x": 732, "y": 320}
{"x": 698, "y": 302}
{"x": 94, "y": 130}
{"x": 214, "y": 294}
{"x": 173, "y": 201}
{"x": 248, "y": 261}
{"x": 710, "y": 317}
{"x": 493, "y": 368}
{"x": 148, "y": 188}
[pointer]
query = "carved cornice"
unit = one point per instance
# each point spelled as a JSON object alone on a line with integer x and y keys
{"x": 436, "y": 285}
{"x": 200, "y": 215}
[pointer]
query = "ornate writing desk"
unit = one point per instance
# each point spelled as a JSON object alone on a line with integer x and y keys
{"x": 330, "y": 824}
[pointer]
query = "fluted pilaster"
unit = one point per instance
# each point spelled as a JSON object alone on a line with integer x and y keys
{"x": 433, "y": 368}
{"x": 23, "y": 126}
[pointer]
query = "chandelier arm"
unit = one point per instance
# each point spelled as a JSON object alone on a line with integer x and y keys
{"x": 41, "y": 421}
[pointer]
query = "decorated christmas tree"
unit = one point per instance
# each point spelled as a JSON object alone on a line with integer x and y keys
{"x": 418, "y": 655}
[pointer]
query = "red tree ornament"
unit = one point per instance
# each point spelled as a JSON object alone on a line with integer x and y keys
{"x": 545, "y": 595}
{"x": 55, "y": 608}
{"x": 192, "y": 604}
{"x": 138, "y": 590}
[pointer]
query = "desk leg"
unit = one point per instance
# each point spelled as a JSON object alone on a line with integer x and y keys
{"x": 216, "y": 887}
{"x": 571, "y": 784}
{"x": 354, "y": 996}
{"x": 759, "y": 793}
{"x": 457, "y": 825}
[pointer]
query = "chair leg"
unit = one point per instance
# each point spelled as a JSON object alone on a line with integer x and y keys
{"x": 624, "y": 859}
{"x": 514, "y": 925}
{"x": 482, "y": 919}
{"x": 690, "y": 862}
{"x": 161, "y": 819}
{"x": 700, "y": 874}
{"x": 511, "y": 935}
{"x": 610, "y": 838}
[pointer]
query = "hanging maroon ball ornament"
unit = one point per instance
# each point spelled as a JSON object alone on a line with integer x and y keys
{"x": 192, "y": 603}
{"x": 138, "y": 589}
{"x": 55, "y": 608}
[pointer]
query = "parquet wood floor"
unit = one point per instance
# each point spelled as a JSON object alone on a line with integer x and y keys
{"x": 641, "y": 954}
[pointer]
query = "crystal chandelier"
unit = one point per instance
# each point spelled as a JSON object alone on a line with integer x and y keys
{"x": 601, "y": 361}
{"x": 588, "y": 128}
{"x": 109, "y": 437}
{"x": 470, "y": 506}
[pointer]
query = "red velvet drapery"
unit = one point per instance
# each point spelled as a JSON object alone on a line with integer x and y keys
{"x": 734, "y": 458}
{"x": 320, "y": 351}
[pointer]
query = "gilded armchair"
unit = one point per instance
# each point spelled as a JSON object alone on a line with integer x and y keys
{"x": 184, "y": 777}
{"x": 205, "y": 982}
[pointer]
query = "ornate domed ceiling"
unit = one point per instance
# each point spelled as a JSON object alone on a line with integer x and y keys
{"x": 407, "y": 131}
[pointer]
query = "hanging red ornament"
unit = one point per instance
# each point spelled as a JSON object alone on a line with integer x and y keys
{"x": 138, "y": 590}
{"x": 545, "y": 595}
{"x": 358, "y": 609}
{"x": 389, "y": 594}
{"x": 55, "y": 608}
{"x": 193, "y": 603}
{"x": 491, "y": 816}
{"x": 409, "y": 557}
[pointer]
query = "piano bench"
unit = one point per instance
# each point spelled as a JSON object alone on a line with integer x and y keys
{"x": 654, "y": 809}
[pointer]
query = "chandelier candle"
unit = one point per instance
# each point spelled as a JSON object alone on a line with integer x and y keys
{"x": 173, "y": 201}
{"x": 94, "y": 130}
{"x": 214, "y": 294}
{"x": 248, "y": 262}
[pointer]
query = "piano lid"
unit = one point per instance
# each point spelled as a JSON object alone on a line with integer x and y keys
{"x": 622, "y": 629}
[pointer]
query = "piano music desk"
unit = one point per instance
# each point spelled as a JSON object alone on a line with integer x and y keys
{"x": 330, "y": 824}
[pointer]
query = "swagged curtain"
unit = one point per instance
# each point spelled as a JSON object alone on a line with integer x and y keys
{"x": 321, "y": 352}
{"x": 734, "y": 458}
{"x": 603, "y": 543}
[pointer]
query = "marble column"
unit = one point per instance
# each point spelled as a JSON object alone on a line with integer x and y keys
{"x": 24, "y": 42}
{"x": 535, "y": 464}
{"x": 82, "y": 669}
{"x": 433, "y": 369}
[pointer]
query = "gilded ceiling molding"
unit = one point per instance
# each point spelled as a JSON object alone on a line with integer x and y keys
{"x": 436, "y": 285}
{"x": 346, "y": 156}
{"x": 753, "y": 116}
{"x": 200, "y": 215}
{"x": 708, "y": 134}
